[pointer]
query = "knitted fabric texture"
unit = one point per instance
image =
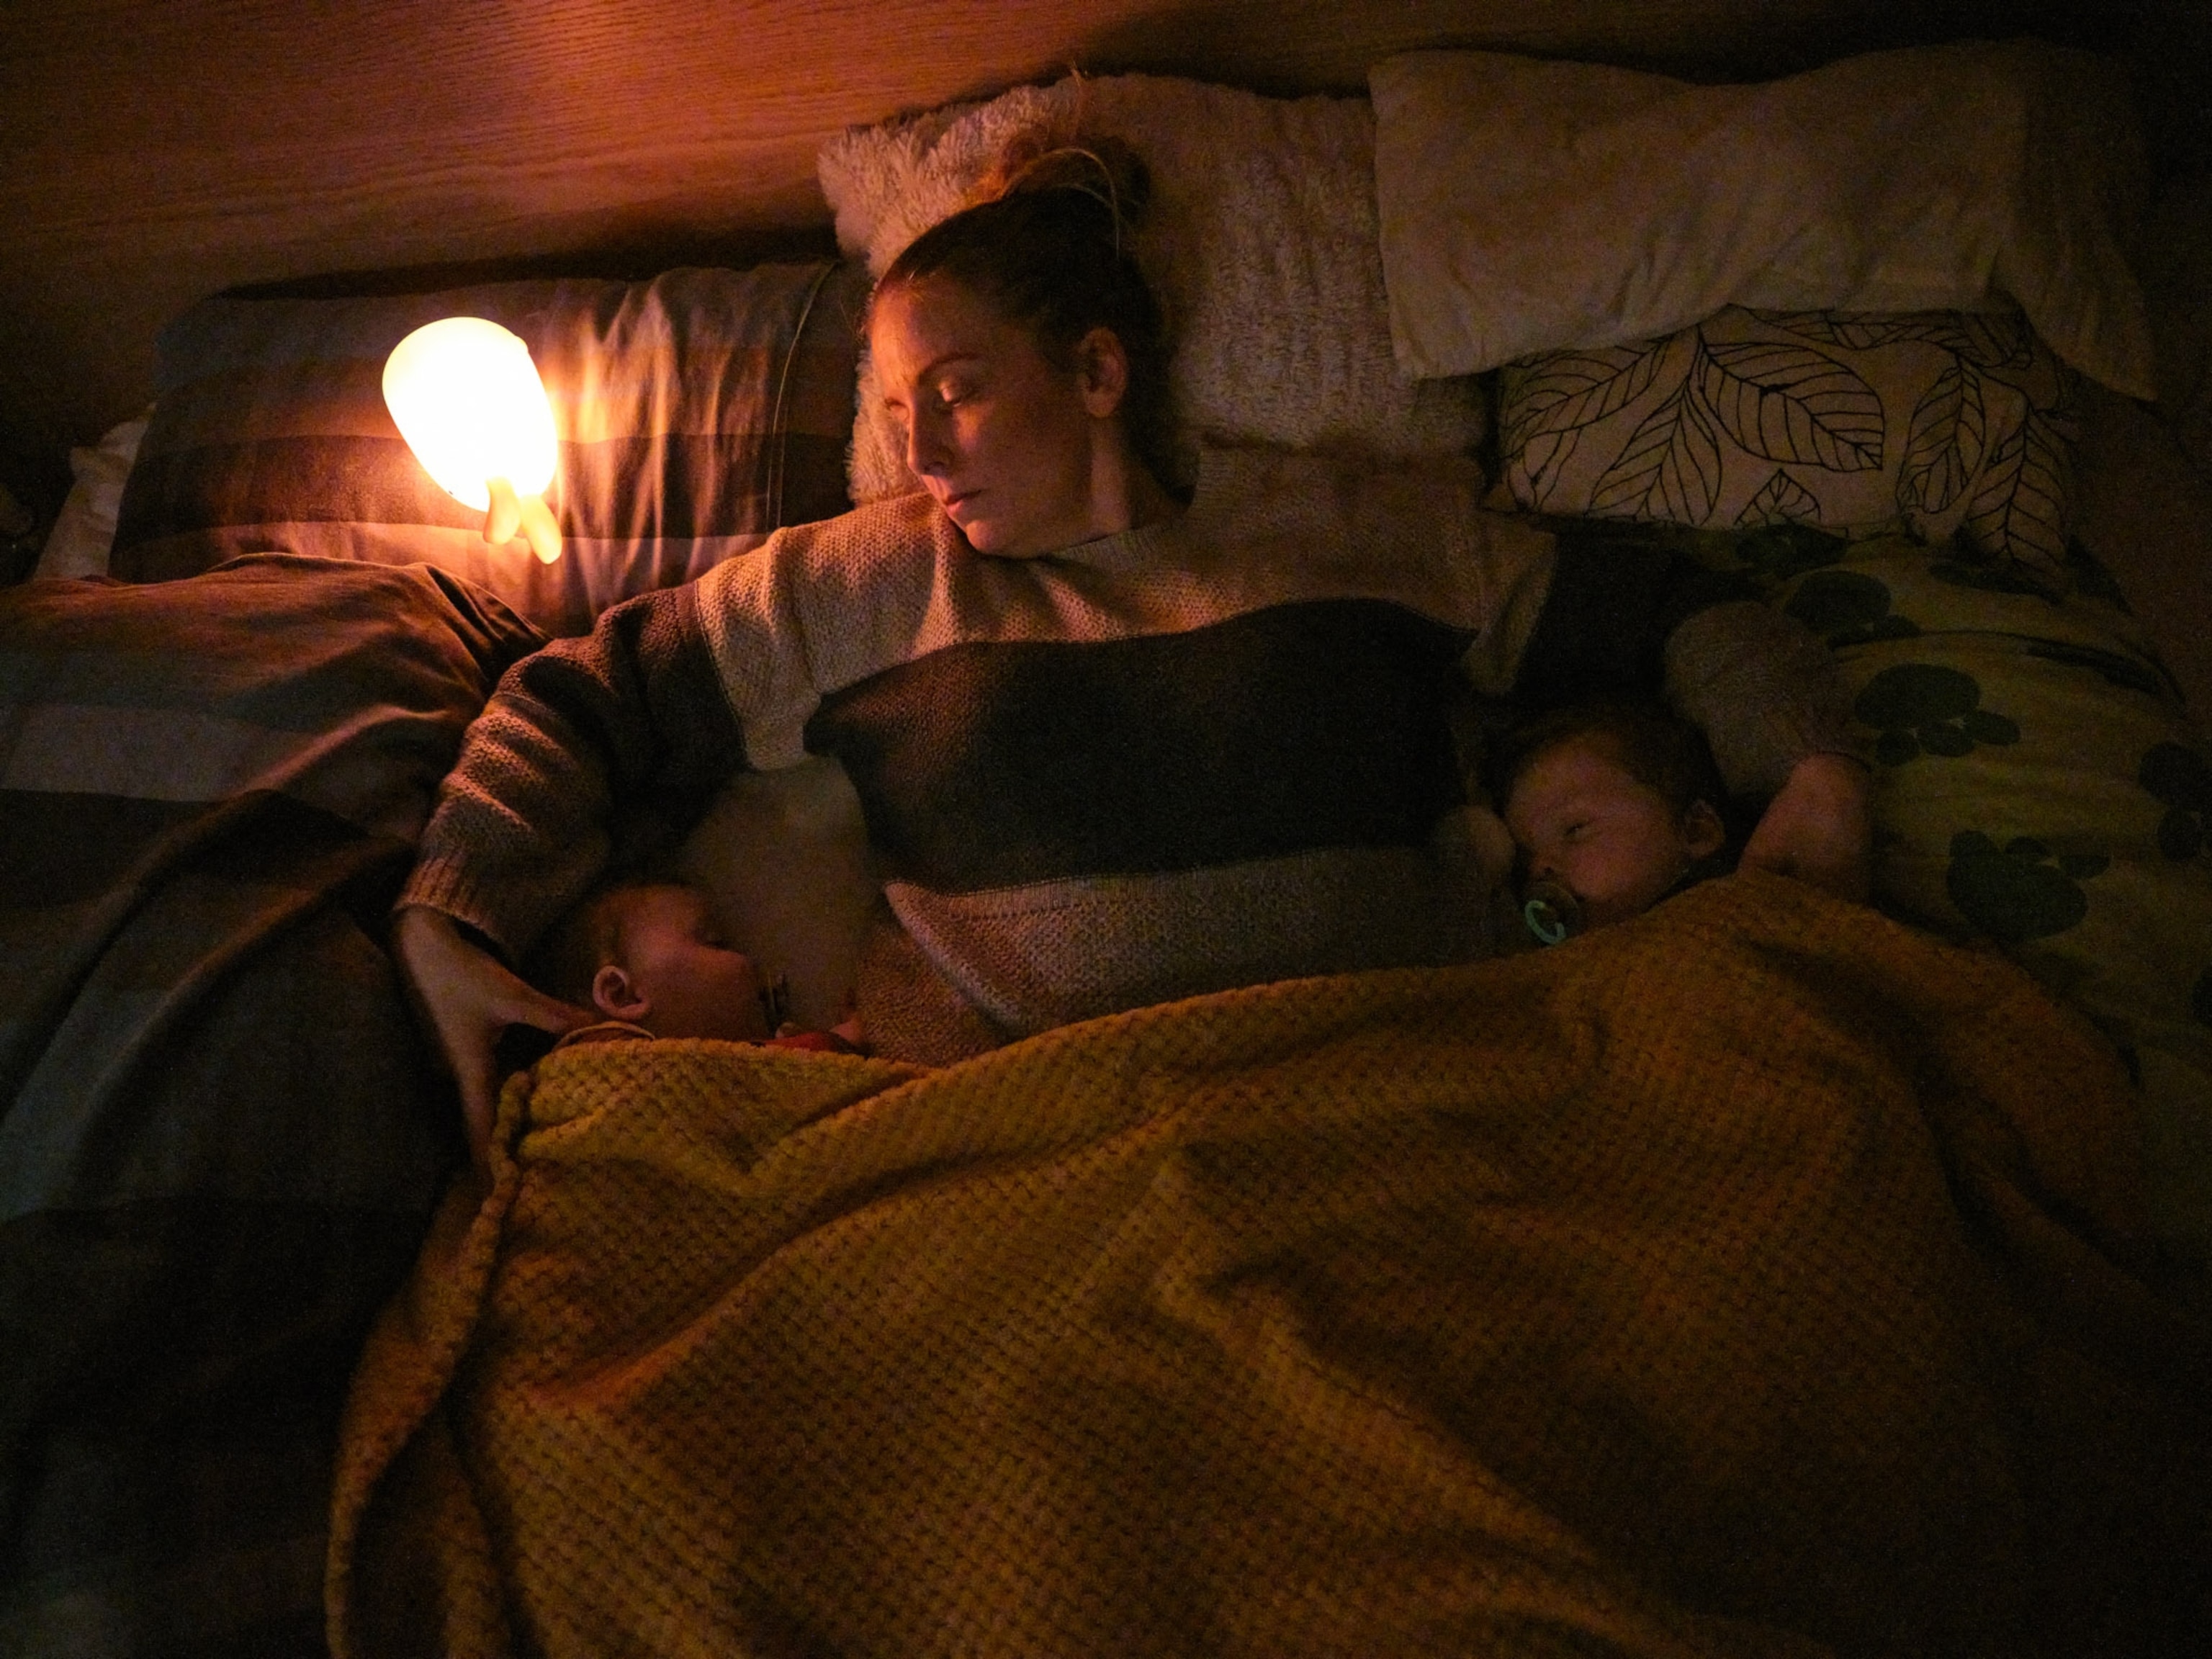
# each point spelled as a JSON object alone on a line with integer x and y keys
{"x": 1698, "y": 1287}
{"x": 1187, "y": 757}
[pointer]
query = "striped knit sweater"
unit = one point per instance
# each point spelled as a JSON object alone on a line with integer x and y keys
{"x": 1198, "y": 754}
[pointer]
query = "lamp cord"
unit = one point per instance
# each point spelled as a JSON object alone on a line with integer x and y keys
{"x": 778, "y": 425}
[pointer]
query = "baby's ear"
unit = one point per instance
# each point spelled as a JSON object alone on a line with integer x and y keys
{"x": 1703, "y": 832}
{"x": 618, "y": 996}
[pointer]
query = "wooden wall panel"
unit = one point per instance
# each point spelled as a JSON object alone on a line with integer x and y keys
{"x": 152, "y": 153}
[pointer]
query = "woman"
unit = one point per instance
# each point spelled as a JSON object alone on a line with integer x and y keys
{"x": 1111, "y": 748}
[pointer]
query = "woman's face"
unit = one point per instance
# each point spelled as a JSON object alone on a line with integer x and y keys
{"x": 1008, "y": 443}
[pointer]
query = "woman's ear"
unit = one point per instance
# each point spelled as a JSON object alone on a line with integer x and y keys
{"x": 1703, "y": 832}
{"x": 1102, "y": 366}
{"x": 618, "y": 996}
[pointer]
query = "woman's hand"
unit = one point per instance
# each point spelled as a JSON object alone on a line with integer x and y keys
{"x": 469, "y": 997}
{"x": 1818, "y": 828}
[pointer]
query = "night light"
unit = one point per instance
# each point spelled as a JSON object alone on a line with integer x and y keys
{"x": 466, "y": 396}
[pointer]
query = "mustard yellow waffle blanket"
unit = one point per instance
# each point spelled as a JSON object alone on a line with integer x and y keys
{"x": 1755, "y": 1277}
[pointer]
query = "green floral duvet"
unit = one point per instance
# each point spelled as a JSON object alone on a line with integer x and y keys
{"x": 2038, "y": 786}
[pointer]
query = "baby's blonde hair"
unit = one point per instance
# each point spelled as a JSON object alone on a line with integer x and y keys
{"x": 590, "y": 936}
{"x": 1657, "y": 748}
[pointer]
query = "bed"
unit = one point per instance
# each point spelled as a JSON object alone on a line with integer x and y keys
{"x": 1773, "y": 1276}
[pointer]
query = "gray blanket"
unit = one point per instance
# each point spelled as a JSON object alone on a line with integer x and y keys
{"x": 219, "y": 1137}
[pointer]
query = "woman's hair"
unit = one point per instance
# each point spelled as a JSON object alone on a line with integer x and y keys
{"x": 1047, "y": 238}
{"x": 1659, "y": 750}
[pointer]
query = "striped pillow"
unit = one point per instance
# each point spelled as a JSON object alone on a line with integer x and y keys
{"x": 696, "y": 412}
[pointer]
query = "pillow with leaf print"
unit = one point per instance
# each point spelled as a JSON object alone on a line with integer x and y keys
{"x": 1939, "y": 423}
{"x": 2037, "y": 789}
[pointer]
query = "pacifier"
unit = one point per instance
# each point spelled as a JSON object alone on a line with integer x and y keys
{"x": 1553, "y": 914}
{"x": 776, "y": 1001}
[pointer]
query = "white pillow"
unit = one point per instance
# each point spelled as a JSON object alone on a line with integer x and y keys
{"x": 1530, "y": 206}
{"x": 1261, "y": 242}
{"x": 84, "y": 530}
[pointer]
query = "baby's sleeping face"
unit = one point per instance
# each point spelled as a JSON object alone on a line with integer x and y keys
{"x": 690, "y": 983}
{"x": 1583, "y": 819}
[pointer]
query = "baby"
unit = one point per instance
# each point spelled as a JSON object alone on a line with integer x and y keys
{"x": 1612, "y": 807}
{"x": 648, "y": 955}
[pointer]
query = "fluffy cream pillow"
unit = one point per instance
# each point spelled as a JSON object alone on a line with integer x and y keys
{"x": 1530, "y": 206}
{"x": 1261, "y": 242}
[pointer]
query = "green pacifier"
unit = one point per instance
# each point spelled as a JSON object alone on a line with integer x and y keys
{"x": 1552, "y": 912}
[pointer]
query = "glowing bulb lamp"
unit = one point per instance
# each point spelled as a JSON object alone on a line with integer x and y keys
{"x": 466, "y": 396}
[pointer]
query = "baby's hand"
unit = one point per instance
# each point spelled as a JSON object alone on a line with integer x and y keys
{"x": 1818, "y": 828}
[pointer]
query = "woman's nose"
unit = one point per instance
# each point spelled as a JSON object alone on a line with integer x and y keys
{"x": 925, "y": 446}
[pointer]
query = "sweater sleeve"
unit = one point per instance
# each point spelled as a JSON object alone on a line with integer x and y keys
{"x": 1624, "y": 619}
{"x": 1764, "y": 688}
{"x": 576, "y": 735}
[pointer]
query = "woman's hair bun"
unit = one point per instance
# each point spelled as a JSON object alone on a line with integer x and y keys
{"x": 1038, "y": 161}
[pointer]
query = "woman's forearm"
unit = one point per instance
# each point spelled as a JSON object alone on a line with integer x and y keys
{"x": 525, "y": 821}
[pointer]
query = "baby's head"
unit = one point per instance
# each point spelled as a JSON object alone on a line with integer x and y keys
{"x": 1615, "y": 802}
{"x": 649, "y": 953}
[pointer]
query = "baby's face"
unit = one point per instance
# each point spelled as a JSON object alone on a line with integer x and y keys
{"x": 697, "y": 986}
{"x": 1581, "y": 819}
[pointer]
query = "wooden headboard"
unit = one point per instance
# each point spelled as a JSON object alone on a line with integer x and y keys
{"x": 153, "y": 154}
